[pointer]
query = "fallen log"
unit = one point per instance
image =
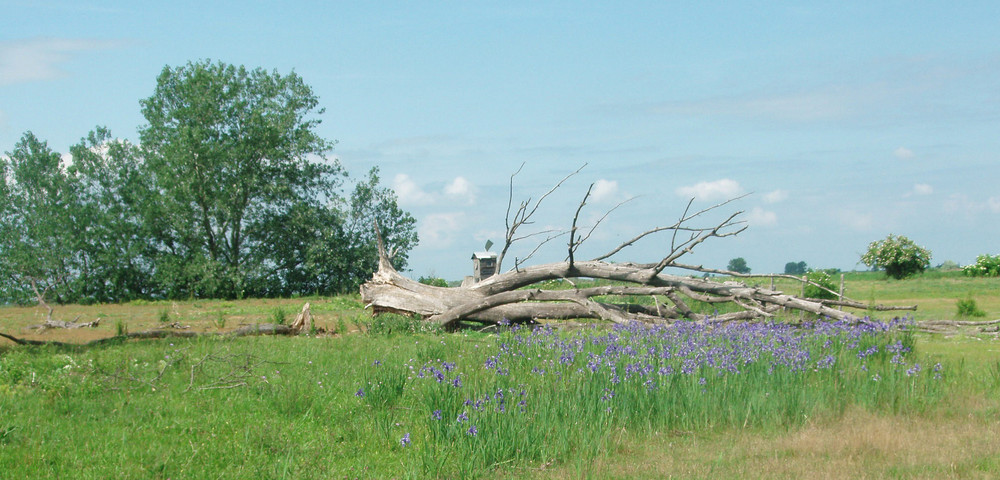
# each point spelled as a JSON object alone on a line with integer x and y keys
{"x": 248, "y": 330}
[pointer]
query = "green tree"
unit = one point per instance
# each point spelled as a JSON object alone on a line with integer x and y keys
{"x": 899, "y": 256}
{"x": 738, "y": 265}
{"x": 370, "y": 203}
{"x": 117, "y": 247}
{"x": 230, "y": 151}
{"x": 796, "y": 268}
{"x": 42, "y": 227}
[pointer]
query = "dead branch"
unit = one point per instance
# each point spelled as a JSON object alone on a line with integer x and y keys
{"x": 522, "y": 216}
{"x": 50, "y": 323}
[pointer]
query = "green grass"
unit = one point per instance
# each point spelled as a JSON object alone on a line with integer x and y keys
{"x": 288, "y": 407}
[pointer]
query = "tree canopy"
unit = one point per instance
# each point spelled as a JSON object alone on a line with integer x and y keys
{"x": 229, "y": 193}
{"x": 738, "y": 265}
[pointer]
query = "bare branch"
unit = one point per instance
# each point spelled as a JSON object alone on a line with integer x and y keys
{"x": 687, "y": 246}
{"x": 572, "y": 230}
{"x": 524, "y": 212}
{"x": 600, "y": 220}
{"x": 679, "y": 226}
{"x": 518, "y": 262}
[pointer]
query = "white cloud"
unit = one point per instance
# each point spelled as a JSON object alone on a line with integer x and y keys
{"x": 409, "y": 192}
{"x": 993, "y": 203}
{"x": 437, "y": 230}
{"x": 775, "y": 196}
{"x": 462, "y": 190}
{"x": 459, "y": 190}
{"x": 604, "y": 190}
{"x": 902, "y": 153}
{"x": 758, "y": 217}
{"x": 923, "y": 189}
{"x": 39, "y": 59}
{"x": 961, "y": 203}
{"x": 723, "y": 189}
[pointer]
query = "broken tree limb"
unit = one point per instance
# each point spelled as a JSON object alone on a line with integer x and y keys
{"x": 50, "y": 323}
{"x": 304, "y": 320}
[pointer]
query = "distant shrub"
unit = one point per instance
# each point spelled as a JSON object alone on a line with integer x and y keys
{"x": 899, "y": 256}
{"x": 949, "y": 265}
{"x": 986, "y": 266}
{"x": 825, "y": 280}
{"x": 968, "y": 308}
{"x": 278, "y": 316}
{"x": 796, "y": 268}
{"x": 433, "y": 281}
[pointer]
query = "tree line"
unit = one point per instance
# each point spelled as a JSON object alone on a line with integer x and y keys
{"x": 229, "y": 193}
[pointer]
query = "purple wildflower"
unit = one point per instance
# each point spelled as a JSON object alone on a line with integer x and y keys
{"x": 405, "y": 440}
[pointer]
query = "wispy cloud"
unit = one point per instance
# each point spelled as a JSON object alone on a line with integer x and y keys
{"x": 462, "y": 190}
{"x": 862, "y": 222}
{"x": 408, "y": 192}
{"x": 758, "y": 217}
{"x": 437, "y": 230}
{"x": 40, "y": 59}
{"x": 775, "y": 196}
{"x": 903, "y": 153}
{"x": 993, "y": 204}
{"x": 604, "y": 190}
{"x": 961, "y": 203}
{"x": 459, "y": 190}
{"x": 723, "y": 189}
{"x": 923, "y": 189}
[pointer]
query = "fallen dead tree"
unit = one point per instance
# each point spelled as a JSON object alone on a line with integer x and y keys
{"x": 513, "y": 296}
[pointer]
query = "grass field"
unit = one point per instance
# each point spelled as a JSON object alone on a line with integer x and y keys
{"x": 388, "y": 398}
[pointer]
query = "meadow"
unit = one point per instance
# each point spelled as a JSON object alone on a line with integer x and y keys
{"x": 390, "y": 397}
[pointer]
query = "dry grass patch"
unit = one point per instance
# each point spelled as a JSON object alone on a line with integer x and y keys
{"x": 861, "y": 445}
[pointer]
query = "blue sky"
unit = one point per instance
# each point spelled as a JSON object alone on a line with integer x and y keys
{"x": 844, "y": 121}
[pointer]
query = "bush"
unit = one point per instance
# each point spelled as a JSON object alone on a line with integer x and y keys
{"x": 278, "y": 316}
{"x": 433, "y": 281}
{"x": 825, "y": 280}
{"x": 899, "y": 256}
{"x": 986, "y": 266}
{"x": 968, "y": 308}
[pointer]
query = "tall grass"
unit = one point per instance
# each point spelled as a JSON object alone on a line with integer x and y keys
{"x": 405, "y": 404}
{"x": 539, "y": 395}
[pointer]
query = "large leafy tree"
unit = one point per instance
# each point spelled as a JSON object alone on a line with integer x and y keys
{"x": 230, "y": 152}
{"x": 41, "y": 227}
{"x": 114, "y": 190}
